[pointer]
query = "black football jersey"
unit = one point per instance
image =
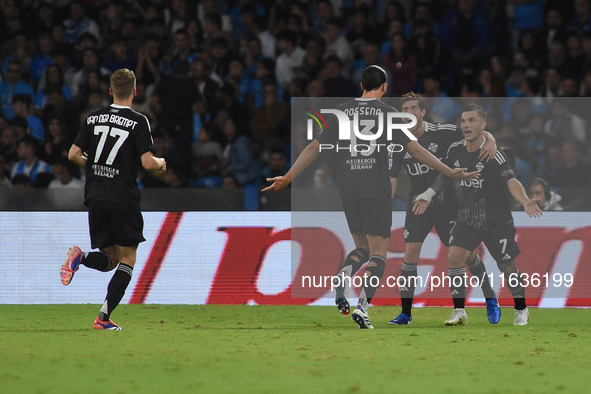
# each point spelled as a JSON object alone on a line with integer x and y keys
{"x": 485, "y": 202}
{"x": 362, "y": 165}
{"x": 437, "y": 139}
{"x": 114, "y": 138}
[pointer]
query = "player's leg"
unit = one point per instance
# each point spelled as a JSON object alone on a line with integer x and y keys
{"x": 503, "y": 248}
{"x": 462, "y": 241}
{"x": 408, "y": 282}
{"x": 477, "y": 268}
{"x": 353, "y": 262}
{"x": 127, "y": 223}
{"x": 117, "y": 286}
{"x": 355, "y": 259}
{"x": 372, "y": 276}
{"x": 377, "y": 226}
{"x": 101, "y": 236}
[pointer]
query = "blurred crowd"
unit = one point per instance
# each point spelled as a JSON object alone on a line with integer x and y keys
{"x": 216, "y": 78}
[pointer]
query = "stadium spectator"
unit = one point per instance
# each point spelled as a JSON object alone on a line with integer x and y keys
{"x": 269, "y": 121}
{"x": 229, "y": 182}
{"x": 53, "y": 76}
{"x": 79, "y": 23}
{"x": 440, "y": 108}
{"x": 581, "y": 22}
{"x": 29, "y": 164}
{"x": 292, "y": 56}
{"x": 427, "y": 49}
{"x": 238, "y": 159}
{"x": 12, "y": 86}
{"x": 120, "y": 57}
{"x": 277, "y": 166}
{"x": 565, "y": 125}
{"x": 8, "y": 144}
{"x": 402, "y": 65}
{"x": 180, "y": 50}
{"x": 574, "y": 171}
{"x": 337, "y": 44}
{"x": 335, "y": 85}
{"x": 91, "y": 62}
{"x": 207, "y": 154}
{"x": 21, "y": 106}
{"x": 21, "y": 182}
{"x": 4, "y": 173}
{"x": 61, "y": 108}
{"x": 64, "y": 171}
{"x": 370, "y": 54}
{"x": 40, "y": 62}
{"x": 554, "y": 29}
{"x": 549, "y": 200}
{"x": 148, "y": 60}
{"x": 56, "y": 143}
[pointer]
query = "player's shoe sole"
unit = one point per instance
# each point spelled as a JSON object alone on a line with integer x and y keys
{"x": 458, "y": 318}
{"x": 401, "y": 320}
{"x": 71, "y": 265}
{"x": 105, "y": 325}
{"x": 361, "y": 317}
{"x": 493, "y": 312}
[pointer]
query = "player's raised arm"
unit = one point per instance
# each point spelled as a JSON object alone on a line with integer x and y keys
{"x": 529, "y": 204}
{"x": 307, "y": 157}
{"x": 426, "y": 157}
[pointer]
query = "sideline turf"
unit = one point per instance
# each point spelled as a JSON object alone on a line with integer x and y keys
{"x": 269, "y": 349}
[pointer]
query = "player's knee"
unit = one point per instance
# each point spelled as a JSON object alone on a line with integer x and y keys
{"x": 455, "y": 260}
{"x": 359, "y": 255}
{"x": 412, "y": 256}
{"x": 506, "y": 267}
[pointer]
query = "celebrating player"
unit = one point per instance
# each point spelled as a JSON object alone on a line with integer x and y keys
{"x": 443, "y": 211}
{"x": 484, "y": 216}
{"x": 365, "y": 189}
{"x": 111, "y": 144}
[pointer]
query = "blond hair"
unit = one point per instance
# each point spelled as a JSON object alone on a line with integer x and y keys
{"x": 122, "y": 83}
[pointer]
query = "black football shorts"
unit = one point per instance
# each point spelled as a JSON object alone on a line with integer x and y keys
{"x": 417, "y": 227}
{"x": 113, "y": 223}
{"x": 369, "y": 217}
{"x": 499, "y": 241}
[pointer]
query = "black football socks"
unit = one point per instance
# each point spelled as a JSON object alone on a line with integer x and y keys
{"x": 116, "y": 290}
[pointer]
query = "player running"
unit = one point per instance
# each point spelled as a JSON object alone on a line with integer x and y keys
{"x": 111, "y": 144}
{"x": 365, "y": 188}
{"x": 443, "y": 211}
{"x": 484, "y": 216}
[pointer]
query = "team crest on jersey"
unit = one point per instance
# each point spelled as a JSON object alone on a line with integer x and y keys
{"x": 479, "y": 166}
{"x": 433, "y": 147}
{"x": 405, "y": 233}
{"x": 457, "y": 163}
{"x": 407, "y": 155}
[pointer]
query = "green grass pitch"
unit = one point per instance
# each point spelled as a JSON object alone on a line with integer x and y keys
{"x": 288, "y": 349}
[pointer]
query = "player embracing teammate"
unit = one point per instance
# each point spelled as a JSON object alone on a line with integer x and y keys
{"x": 484, "y": 215}
{"x": 437, "y": 138}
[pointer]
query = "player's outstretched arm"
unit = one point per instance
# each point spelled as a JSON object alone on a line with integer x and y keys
{"x": 422, "y": 201}
{"x": 529, "y": 204}
{"x": 307, "y": 157}
{"x": 156, "y": 165}
{"x": 426, "y": 157}
{"x": 489, "y": 150}
{"x": 75, "y": 155}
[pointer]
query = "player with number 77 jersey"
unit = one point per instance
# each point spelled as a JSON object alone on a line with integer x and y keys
{"x": 110, "y": 145}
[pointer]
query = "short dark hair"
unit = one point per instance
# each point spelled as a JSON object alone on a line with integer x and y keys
{"x": 475, "y": 107}
{"x": 22, "y": 98}
{"x": 28, "y": 139}
{"x": 19, "y": 121}
{"x": 412, "y": 96}
{"x": 373, "y": 77}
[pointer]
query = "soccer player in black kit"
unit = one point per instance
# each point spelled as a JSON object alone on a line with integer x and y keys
{"x": 443, "y": 210}
{"x": 484, "y": 216}
{"x": 110, "y": 145}
{"x": 365, "y": 187}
